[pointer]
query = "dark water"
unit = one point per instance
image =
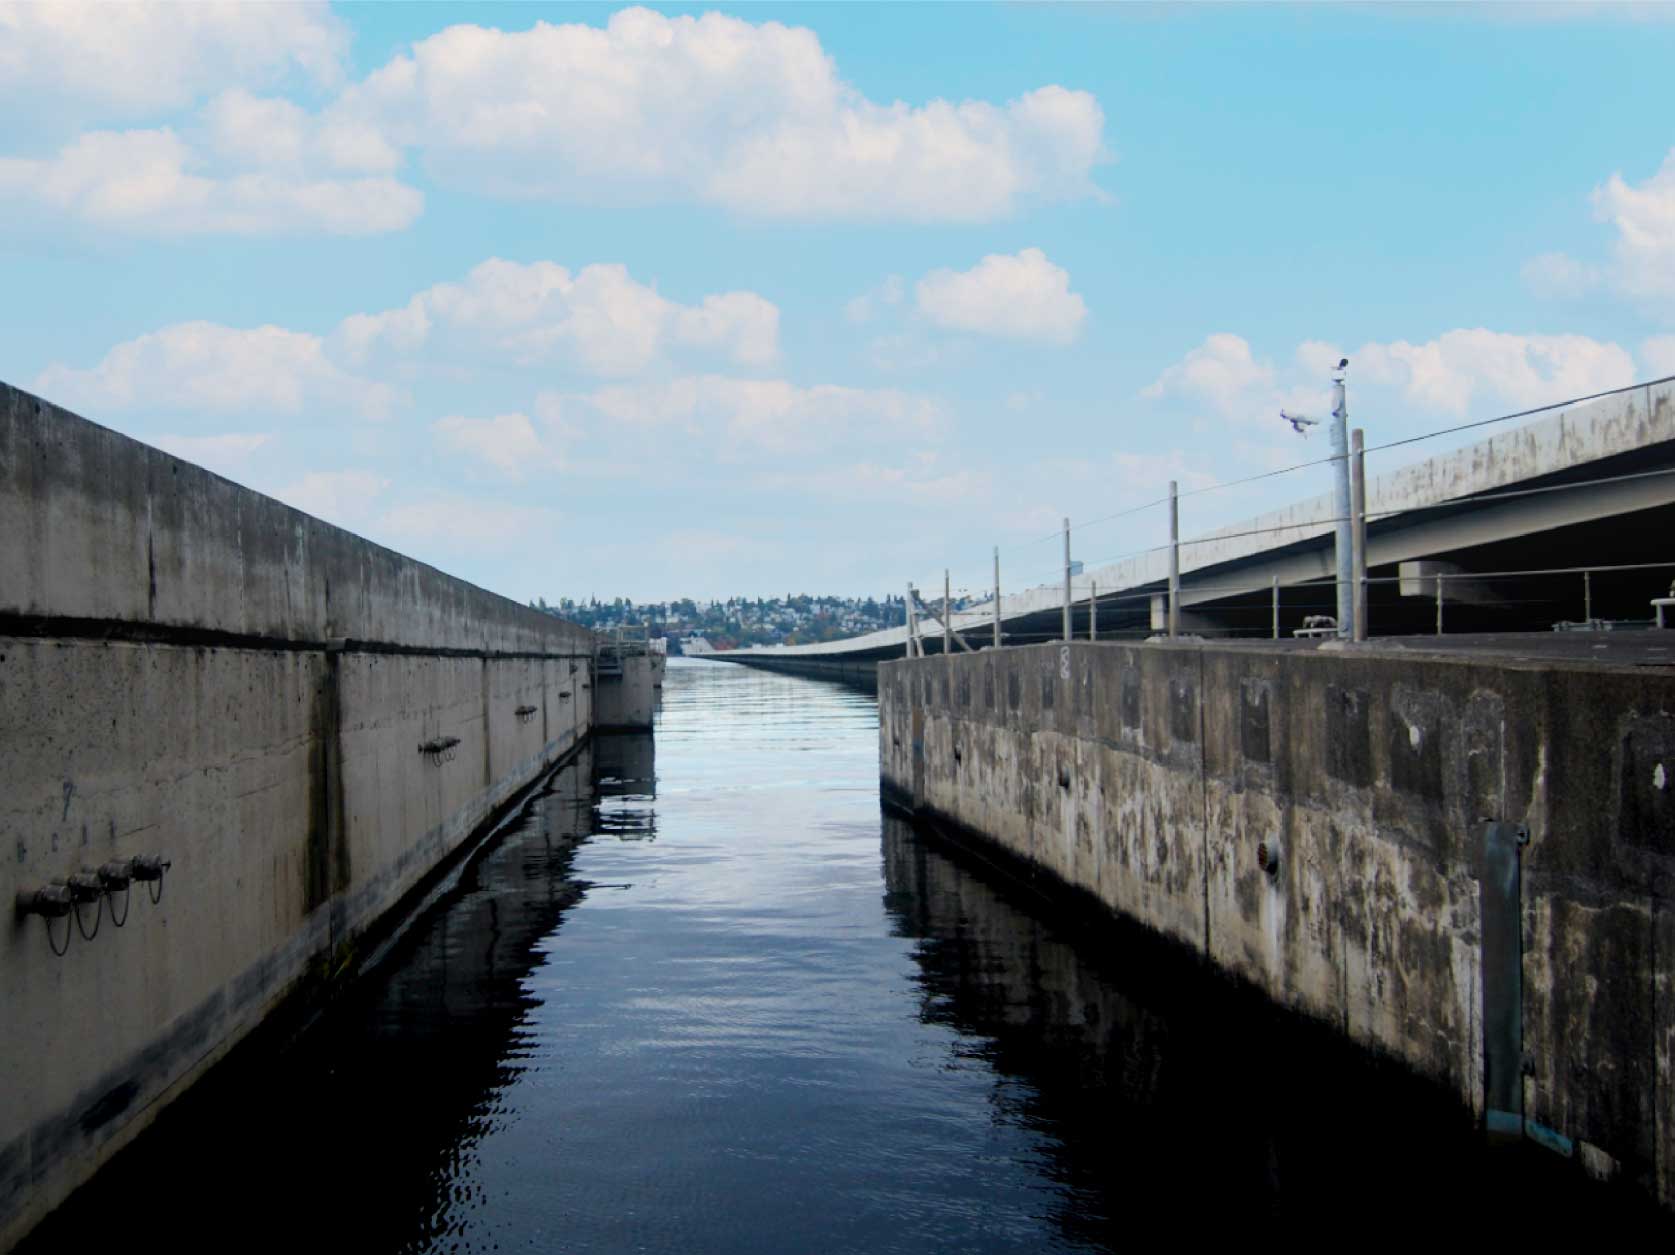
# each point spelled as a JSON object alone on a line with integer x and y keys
{"x": 709, "y": 1000}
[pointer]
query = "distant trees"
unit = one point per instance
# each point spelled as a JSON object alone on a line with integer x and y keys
{"x": 737, "y": 621}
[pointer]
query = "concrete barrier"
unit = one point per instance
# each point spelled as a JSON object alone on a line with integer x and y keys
{"x": 302, "y": 723}
{"x": 1316, "y": 823}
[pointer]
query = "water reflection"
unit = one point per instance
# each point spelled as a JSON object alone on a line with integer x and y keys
{"x": 1161, "y": 1091}
{"x": 363, "y": 1129}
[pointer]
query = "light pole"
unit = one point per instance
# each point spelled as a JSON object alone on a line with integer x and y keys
{"x": 1344, "y": 528}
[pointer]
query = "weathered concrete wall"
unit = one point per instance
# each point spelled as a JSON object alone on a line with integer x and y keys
{"x": 1149, "y": 775}
{"x": 628, "y": 692}
{"x": 192, "y": 670}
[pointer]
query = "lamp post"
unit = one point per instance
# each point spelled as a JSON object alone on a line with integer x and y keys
{"x": 1343, "y": 529}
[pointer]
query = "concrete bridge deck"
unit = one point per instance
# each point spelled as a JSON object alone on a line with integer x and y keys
{"x": 1587, "y": 483}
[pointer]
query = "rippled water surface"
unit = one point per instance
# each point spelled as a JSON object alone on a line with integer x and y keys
{"x": 702, "y": 997}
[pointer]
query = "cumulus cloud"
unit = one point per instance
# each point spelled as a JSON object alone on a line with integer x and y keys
{"x": 600, "y": 317}
{"x": 1022, "y": 297}
{"x": 1222, "y": 373}
{"x": 133, "y": 59}
{"x": 509, "y": 443}
{"x": 209, "y": 367}
{"x": 749, "y": 117}
{"x": 1448, "y": 374}
{"x": 1658, "y": 355}
{"x": 772, "y": 414}
{"x": 1644, "y": 216}
{"x": 155, "y": 183}
{"x": 270, "y": 132}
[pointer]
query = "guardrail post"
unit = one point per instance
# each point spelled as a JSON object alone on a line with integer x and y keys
{"x": 947, "y": 613}
{"x": 1587, "y": 596}
{"x": 1093, "y": 611}
{"x": 1276, "y": 607}
{"x": 1440, "y": 578}
{"x": 1174, "y": 561}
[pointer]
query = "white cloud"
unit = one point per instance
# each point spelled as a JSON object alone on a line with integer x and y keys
{"x": 226, "y": 454}
{"x": 1448, "y": 374}
{"x": 1657, "y": 353}
{"x": 1022, "y": 297}
{"x": 150, "y": 182}
{"x": 772, "y": 414}
{"x": 206, "y": 366}
{"x": 750, "y": 117}
{"x": 1222, "y": 372}
{"x": 1644, "y": 216}
{"x": 507, "y": 442}
{"x": 603, "y": 319}
{"x": 346, "y": 498}
{"x": 270, "y": 132}
{"x": 133, "y": 59}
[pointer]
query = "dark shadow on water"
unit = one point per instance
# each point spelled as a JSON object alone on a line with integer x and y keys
{"x": 1168, "y": 1095}
{"x": 358, "y": 1133}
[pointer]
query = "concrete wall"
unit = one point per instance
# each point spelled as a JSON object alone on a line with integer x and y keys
{"x": 190, "y": 669}
{"x": 1148, "y": 775}
{"x": 628, "y": 693}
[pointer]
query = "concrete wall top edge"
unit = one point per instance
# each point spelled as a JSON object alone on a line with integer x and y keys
{"x": 1329, "y": 651}
{"x": 103, "y": 527}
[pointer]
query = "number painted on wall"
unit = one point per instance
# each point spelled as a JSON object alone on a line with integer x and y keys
{"x": 1064, "y": 662}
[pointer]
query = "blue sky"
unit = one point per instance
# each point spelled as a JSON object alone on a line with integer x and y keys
{"x": 679, "y": 301}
